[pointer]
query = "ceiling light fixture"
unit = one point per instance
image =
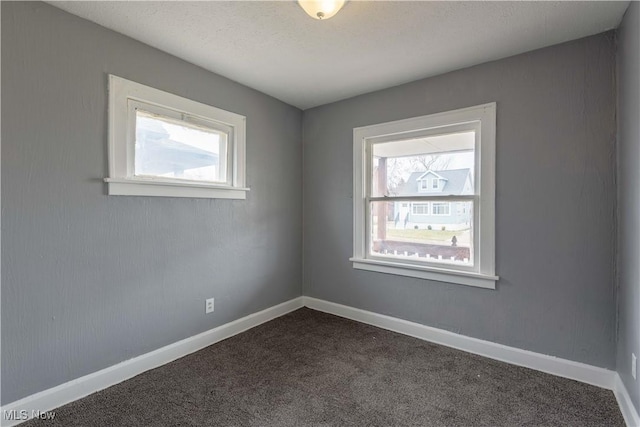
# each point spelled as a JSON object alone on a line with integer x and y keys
{"x": 321, "y": 9}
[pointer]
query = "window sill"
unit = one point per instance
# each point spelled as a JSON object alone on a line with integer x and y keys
{"x": 130, "y": 187}
{"x": 422, "y": 272}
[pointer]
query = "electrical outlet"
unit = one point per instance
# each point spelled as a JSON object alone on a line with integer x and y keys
{"x": 209, "y": 306}
{"x": 634, "y": 366}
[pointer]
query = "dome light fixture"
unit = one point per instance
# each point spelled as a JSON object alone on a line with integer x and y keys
{"x": 321, "y": 9}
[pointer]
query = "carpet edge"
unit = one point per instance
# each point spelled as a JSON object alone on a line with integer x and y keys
{"x": 578, "y": 371}
{"x": 46, "y": 400}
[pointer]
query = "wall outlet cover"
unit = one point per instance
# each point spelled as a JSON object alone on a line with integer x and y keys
{"x": 209, "y": 305}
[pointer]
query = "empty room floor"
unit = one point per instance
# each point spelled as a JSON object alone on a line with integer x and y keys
{"x": 312, "y": 368}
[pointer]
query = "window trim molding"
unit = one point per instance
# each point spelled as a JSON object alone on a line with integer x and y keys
{"x": 121, "y": 141}
{"x": 424, "y": 272}
{"x": 483, "y": 273}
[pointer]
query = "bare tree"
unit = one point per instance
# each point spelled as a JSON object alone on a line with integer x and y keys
{"x": 434, "y": 161}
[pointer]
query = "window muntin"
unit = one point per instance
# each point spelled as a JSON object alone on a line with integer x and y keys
{"x": 441, "y": 208}
{"x": 420, "y": 208}
{"x": 385, "y": 161}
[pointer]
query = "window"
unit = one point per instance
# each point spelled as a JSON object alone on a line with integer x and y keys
{"x": 161, "y": 144}
{"x": 436, "y": 242}
{"x": 441, "y": 208}
{"x": 167, "y": 146}
{"x": 423, "y": 184}
{"x": 420, "y": 208}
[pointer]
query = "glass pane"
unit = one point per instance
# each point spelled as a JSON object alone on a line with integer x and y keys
{"x": 429, "y": 232}
{"x": 430, "y": 166}
{"x": 177, "y": 149}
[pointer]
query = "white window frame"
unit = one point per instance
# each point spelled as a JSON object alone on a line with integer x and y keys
{"x": 435, "y": 183}
{"x": 125, "y": 97}
{"x": 427, "y": 207}
{"x": 433, "y": 208}
{"x": 482, "y": 119}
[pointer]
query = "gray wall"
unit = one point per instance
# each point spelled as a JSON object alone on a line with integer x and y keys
{"x": 629, "y": 198}
{"x": 555, "y": 207}
{"x": 90, "y": 280}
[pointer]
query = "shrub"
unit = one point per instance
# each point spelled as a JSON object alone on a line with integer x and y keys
{"x": 415, "y": 227}
{"x": 429, "y": 227}
{"x": 443, "y": 228}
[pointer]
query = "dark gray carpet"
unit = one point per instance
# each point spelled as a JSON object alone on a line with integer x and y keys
{"x": 310, "y": 368}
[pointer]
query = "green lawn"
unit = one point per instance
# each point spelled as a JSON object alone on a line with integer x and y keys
{"x": 437, "y": 235}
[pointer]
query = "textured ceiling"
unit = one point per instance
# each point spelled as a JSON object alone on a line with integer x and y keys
{"x": 276, "y": 48}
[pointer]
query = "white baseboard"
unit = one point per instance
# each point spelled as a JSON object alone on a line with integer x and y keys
{"x": 629, "y": 412}
{"x": 83, "y": 386}
{"x": 553, "y": 365}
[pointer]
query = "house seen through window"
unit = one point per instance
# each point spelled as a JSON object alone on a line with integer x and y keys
{"x": 170, "y": 149}
{"x": 435, "y": 230}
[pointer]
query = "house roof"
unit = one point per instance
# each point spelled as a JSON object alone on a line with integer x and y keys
{"x": 163, "y": 154}
{"x": 167, "y": 155}
{"x": 430, "y": 172}
{"x": 454, "y": 182}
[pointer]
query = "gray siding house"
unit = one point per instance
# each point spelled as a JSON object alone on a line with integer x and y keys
{"x": 452, "y": 215}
